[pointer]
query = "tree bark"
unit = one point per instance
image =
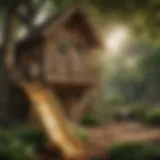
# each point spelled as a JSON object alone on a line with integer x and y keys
{"x": 6, "y": 55}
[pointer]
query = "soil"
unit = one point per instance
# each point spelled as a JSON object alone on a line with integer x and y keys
{"x": 104, "y": 136}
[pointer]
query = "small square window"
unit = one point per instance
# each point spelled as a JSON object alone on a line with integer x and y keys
{"x": 78, "y": 48}
{"x": 63, "y": 46}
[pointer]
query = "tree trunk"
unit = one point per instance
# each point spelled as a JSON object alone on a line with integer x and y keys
{"x": 6, "y": 63}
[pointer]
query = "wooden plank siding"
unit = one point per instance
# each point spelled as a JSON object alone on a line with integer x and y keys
{"x": 72, "y": 67}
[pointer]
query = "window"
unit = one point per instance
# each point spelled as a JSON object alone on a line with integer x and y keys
{"x": 78, "y": 48}
{"x": 63, "y": 46}
{"x": 34, "y": 70}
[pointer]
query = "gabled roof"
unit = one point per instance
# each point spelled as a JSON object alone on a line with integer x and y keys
{"x": 48, "y": 26}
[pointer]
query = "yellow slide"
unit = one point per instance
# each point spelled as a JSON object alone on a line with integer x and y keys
{"x": 54, "y": 122}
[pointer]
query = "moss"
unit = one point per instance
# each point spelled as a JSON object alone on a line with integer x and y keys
{"x": 134, "y": 151}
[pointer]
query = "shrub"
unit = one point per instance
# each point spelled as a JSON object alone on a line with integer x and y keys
{"x": 114, "y": 100}
{"x": 134, "y": 151}
{"x": 137, "y": 113}
{"x": 83, "y": 135}
{"x": 34, "y": 136}
{"x": 153, "y": 117}
{"x": 124, "y": 151}
{"x": 89, "y": 120}
{"x": 18, "y": 144}
{"x": 15, "y": 149}
{"x": 121, "y": 114}
{"x": 151, "y": 152}
{"x": 138, "y": 105}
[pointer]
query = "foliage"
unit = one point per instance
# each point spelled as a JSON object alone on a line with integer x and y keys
{"x": 150, "y": 69}
{"x": 114, "y": 100}
{"x": 137, "y": 112}
{"x": 21, "y": 143}
{"x": 142, "y": 81}
{"x": 134, "y": 151}
{"x": 121, "y": 114}
{"x": 83, "y": 135}
{"x": 143, "y": 15}
{"x": 153, "y": 117}
{"x": 89, "y": 120}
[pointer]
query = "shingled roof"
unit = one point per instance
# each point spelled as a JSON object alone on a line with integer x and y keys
{"x": 61, "y": 17}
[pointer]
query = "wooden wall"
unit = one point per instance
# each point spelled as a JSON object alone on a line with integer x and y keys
{"x": 74, "y": 64}
{"x": 28, "y": 60}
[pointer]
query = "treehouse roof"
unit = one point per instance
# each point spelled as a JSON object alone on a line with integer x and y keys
{"x": 78, "y": 16}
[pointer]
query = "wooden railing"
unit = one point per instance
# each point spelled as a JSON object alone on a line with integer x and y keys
{"x": 70, "y": 71}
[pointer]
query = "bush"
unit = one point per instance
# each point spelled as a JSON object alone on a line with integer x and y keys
{"x": 151, "y": 152}
{"x": 134, "y": 151}
{"x": 83, "y": 135}
{"x": 121, "y": 114}
{"x": 15, "y": 149}
{"x": 114, "y": 100}
{"x": 153, "y": 117}
{"x": 137, "y": 112}
{"x": 18, "y": 144}
{"x": 89, "y": 120}
{"x": 138, "y": 105}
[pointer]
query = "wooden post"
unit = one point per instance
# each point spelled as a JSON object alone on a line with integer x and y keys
{"x": 7, "y": 60}
{"x": 76, "y": 110}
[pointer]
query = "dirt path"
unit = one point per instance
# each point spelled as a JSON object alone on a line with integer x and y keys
{"x": 103, "y": 137}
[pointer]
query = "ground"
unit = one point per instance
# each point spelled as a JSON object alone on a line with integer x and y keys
{"x": 102, "y": 137}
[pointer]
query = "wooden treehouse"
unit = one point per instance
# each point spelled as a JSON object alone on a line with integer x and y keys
{"x": 57, "y": 53}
